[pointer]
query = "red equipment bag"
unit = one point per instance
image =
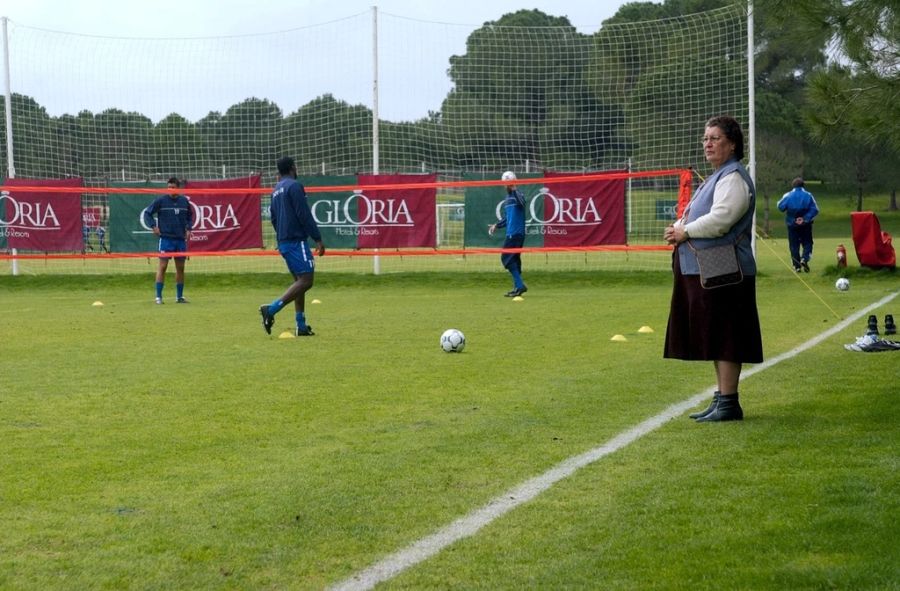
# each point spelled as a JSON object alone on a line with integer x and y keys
{"x": 873, "y": 247}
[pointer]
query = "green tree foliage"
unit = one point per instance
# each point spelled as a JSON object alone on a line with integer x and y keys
{"x": 580, "y": 101}
{"x": 663, "y": 81}
{"x": 551, "y": 117}
{"x": 858, "y": 93}
{"x": 179, "y": 148}
{"x": 251, "y": 136}
{"x": 32, "y": 125}
{"x": 328, "y": 131}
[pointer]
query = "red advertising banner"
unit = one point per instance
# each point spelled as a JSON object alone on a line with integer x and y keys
{"x": 583, "y": 213}
{"x": 396, "y": 217}
{"x": 45, "y": 222}
{"x": 225, "y": 222}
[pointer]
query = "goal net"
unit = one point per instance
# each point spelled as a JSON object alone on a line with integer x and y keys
{"x": 456, "y": 102}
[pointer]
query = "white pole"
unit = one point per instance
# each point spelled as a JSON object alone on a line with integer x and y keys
{"x": 376, "y": 261}
{"x": 751, "y": 93}
{"x": 10, "y": 161}
{"x": 751, "y": 98}
{"x": 628, "y": 199}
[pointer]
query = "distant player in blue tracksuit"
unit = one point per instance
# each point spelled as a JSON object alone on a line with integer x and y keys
{"x": 294, "y": 225}
{"x": 800, "y": 210}
{"x": 171, "y": 217}
{"x": 514, "y": 222}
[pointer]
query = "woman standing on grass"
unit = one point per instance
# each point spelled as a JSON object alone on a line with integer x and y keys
{"x": 719, "y": 324}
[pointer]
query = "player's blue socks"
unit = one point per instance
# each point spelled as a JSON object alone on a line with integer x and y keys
{"x": 517, "y": 278}
{"x": 179, "y": 290}
{"x": 301, "y": 319}
{"x": 275, "y": 306}
{"x": 159, "y": 287}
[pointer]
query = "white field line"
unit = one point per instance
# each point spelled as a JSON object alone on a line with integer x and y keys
{"x": 470, "y": 524}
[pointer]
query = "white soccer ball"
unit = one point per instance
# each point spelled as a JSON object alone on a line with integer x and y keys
{"x": 842, "y": 284}
{"x": 453, "y": 341}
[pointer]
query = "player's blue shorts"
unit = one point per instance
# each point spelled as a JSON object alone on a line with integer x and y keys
{"x": 510, "y": 258}
{"x": 298, "y": 256}
{"x": 171, "y": 245}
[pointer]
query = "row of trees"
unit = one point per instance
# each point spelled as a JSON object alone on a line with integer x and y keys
{"x": 834, "y": 119}
{"x": 529, "y": 87}
{"x": 828, "y": 92}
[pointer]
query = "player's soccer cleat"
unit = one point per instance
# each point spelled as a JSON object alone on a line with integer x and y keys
{"x": 805, "y": 266}
{"x": 872, "y": 344}
{"x": 516, "y": 292}
{"x": 159, "y": 300}
{"x": 306, "y": 331}
{"x": 181, "y": 301}
{"x": 862, "y": 343}
{"x": 889, "y": 326}
{"x": 267, "y": 319}
{"x": 872, "y": 326}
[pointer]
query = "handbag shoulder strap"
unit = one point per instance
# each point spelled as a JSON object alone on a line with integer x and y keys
{"x": 735, "y": 243}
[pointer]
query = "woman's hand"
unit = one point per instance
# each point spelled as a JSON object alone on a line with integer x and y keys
{"x": 675, "y": 234}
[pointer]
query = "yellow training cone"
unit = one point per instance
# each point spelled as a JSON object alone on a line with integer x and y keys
{"x": 97, "y": 303}
{"x": 518, "y": 299}
{"x": 645, "y": 329}
{"x": 618, "y": 337}
{"x": 286, "y": 335}
{"x": 316, "y": 302}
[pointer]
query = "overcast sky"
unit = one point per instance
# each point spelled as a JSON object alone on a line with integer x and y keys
{"x": 177, "y": 18}
{"x": 328, "y": 44}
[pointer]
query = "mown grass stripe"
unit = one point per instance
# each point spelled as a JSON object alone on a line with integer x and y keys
{"x": 470, "y": 524}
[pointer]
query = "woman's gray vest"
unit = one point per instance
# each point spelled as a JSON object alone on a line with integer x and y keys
{"x": 701, "y": 204}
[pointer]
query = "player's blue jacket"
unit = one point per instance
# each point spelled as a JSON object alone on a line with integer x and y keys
{"x": 291, "y": 216}
{"x": 514, "y": 218}
{"x": 798, "y": 203}
{"x": 174, "y": 216}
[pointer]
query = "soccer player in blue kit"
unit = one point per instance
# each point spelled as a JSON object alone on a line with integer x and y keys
{"x": 514, "y": 222}
{"x": 172, "y": 223}
{"x": 800, "y": 209}
{"x": 294, "y": 225}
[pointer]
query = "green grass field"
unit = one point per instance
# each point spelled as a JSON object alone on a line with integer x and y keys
{"x": 179, "y": 447}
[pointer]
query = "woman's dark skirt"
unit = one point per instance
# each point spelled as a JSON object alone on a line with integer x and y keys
{"x": 720, "y": 324}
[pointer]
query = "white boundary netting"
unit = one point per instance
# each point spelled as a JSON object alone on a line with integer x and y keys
{"x": 452, "y": 100}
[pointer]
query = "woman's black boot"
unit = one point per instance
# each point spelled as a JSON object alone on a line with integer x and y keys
{"x": 709, "y": 409}
{"x": 728, "y": 409}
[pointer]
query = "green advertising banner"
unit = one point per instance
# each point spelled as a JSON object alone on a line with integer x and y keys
{"x": 126, "y": 230}
{"x": 332, "y": 211}
{"x": 484, "y": 206}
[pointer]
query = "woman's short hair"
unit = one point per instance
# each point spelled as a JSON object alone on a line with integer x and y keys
{"x": 732, "y": 130}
